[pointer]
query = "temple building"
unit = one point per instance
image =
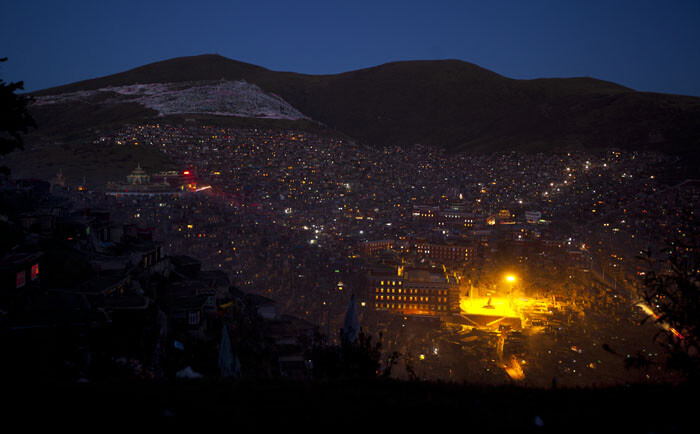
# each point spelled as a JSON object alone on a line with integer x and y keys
{"x": 138, "y": 176}
{"x": 139, "y": 183}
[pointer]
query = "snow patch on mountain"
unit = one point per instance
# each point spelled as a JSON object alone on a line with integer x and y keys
{"x": 225, "y": 98}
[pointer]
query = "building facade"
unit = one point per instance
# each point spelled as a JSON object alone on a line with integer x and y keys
{"x": 414, "y": 291}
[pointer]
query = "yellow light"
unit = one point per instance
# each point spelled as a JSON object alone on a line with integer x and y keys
{"x": 510, "y": 278}
{"x": 500, "y": 306}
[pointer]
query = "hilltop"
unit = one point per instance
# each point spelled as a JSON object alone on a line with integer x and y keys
{"x": 449, "y": 103}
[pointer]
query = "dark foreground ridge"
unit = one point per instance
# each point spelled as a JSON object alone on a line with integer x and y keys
{"x": 448, "y": 103}
{"x": 362, "y": 404}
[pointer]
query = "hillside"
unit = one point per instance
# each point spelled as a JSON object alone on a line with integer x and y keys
{"x": 448, "y": 103}
{"x": 221, "y": 98}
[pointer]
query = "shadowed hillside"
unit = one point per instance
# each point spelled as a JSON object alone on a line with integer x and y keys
{"x": 450, "y": 103}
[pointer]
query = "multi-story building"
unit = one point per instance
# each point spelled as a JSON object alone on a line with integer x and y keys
{"x": 426, "y": 212}
{"x": 369, "y": 248}
{"x": 458, "y": 219}
{"x": 533, "y": 216}
{"x": 446, "y": 252}
{"x": 456, "y": 216}
{"x": 414, "y": 291}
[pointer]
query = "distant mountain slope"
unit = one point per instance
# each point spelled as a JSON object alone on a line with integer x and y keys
{"x": 222, "y": 97}
{"x": 451, "y": 103}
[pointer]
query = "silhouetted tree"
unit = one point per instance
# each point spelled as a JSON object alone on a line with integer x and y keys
{"x": 358, "y": 359}
{"x": 14, "y": 117}
{"x": 672, "y": 289}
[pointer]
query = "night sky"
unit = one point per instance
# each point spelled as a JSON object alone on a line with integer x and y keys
{"x": 645, "y": 45}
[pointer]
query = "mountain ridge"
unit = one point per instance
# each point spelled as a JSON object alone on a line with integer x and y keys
{"x": 451, "y": 103}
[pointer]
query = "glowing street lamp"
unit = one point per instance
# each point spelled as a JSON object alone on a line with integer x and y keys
{"x": 511, "y": 280}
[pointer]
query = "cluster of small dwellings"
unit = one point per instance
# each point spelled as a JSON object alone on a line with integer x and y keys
{"x": 91, "y": 295}
{"x": 279, "y": 198}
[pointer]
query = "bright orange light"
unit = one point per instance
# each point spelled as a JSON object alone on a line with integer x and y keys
{"x": 513, "y": 369}
{"x": 665, "y": 326}
{"x": 675, "y": 332}
{"x": 510, "y": 278}
{"x": 186, "y": 172}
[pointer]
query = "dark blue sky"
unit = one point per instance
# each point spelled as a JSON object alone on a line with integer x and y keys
{"x": 646, "y": 45}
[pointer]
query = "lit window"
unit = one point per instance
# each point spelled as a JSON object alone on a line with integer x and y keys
{"x": 35, "y": 271}
{"x": 20, "y": 279}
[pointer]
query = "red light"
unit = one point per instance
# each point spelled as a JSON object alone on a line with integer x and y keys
{"x": 20, "y": 279}
{"x": 186, "y": 172}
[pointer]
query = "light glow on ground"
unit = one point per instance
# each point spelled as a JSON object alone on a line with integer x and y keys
{"x": 501, "y": 306}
